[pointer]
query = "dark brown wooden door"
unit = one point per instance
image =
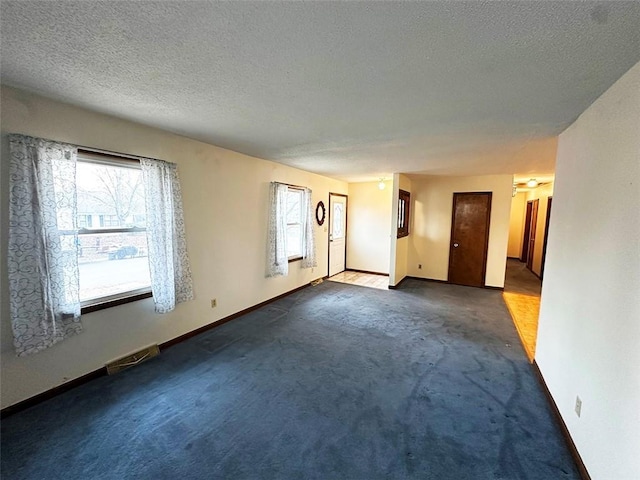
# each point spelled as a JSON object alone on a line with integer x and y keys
{"x": 469, "y": 238}
{"x": 532, "y": 232}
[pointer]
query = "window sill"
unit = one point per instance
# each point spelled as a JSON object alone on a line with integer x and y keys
{"x": 294, "y": 259}
{"x": 101, "y": 304}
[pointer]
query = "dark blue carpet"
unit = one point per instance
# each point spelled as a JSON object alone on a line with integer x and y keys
{"x": 333, "y": 382}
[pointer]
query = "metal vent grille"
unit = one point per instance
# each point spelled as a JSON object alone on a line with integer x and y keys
{"x": 132, "y": 359}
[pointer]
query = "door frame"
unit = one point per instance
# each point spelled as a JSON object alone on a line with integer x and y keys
{"x": 329, "y": 226}
{"x": 546, "y": 236}
{"x": 533, "y": 231}
{"x": 525, "y": 236}
{"x": 486, "y": 241}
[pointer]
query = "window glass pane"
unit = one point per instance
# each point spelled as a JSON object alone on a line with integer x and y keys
{"x": 338, "y": 221}
{"x": 294, "y": 202}
{"x": 112, "y": 263}
{"x": 109, "y": 196}
{"x": 294, "y": 240}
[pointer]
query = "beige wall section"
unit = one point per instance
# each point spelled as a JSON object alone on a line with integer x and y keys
{"x": 432, "y": 209}
{"x": 516, "y": 225}
{"x": 368, "y": 239}
{"x": 399, "y": 246}
{"x": 225, "y": 202}
{"x": 589, "y": 328}
{"x": 542, "y": 193}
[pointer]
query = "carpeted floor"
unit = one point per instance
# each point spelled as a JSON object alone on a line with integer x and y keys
{"x": 519, "y": 279}
{"x": 334, "y": 382}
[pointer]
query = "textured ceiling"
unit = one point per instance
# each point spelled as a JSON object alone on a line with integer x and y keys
{"x": 352, "y": 90}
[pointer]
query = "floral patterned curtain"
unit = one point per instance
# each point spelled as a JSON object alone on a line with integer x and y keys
{"x": 169, "y": 267}
{"x": 277, "y": 261}
{"x": 308, "y": 241}
{"x": 44, "y": 284}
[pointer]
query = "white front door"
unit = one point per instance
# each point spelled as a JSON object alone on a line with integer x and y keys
{"x": 337, "y": 233}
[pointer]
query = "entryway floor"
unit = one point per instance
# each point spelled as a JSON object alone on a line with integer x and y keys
{"x": 522, "y": 296}
{"x": 370, "y": 280}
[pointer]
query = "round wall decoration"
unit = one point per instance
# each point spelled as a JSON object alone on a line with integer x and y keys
{"x": 320, "y": 213}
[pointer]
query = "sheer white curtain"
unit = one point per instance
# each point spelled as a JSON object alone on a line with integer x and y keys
{"x": 308, "y": 232}
{"x": 277, "y": 260}
{"x": 171, "y": 281}
{"x": 44, "y": 284}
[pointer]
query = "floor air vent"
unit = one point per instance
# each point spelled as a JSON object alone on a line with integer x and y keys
{"x": 132, "y": 359}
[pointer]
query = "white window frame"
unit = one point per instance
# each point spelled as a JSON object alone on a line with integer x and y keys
{"x": 300, "y": 192}
{"x": 120, "y": 162}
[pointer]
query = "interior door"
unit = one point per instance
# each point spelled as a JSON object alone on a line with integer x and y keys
{"x": 469, "y": 238}
{"x": 337, "y": 233}
{"x": 532, "y": 232}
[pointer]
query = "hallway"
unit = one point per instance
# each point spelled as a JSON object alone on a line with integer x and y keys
{"x": 522, "y": 296}
{"x": 519, "y": 279}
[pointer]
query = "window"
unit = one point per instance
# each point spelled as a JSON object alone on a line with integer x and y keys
{"x": 84, "y": 221}
{"x": 403, "y": 213}
{"x": 338, "y": 221}
{"x": 112, "y": 242}
{"x": 294, "y": 223}
{"x": 109, "y": 221}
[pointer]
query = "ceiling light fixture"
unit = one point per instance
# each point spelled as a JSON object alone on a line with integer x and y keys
{"x": 381, "y": 184}
{"x": 532, "y": 183}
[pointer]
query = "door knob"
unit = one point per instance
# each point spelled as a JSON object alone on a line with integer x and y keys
{"x": 455, "y": 245}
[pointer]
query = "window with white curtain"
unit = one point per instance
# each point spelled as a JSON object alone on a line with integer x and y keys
{"x": 88, "y": 229}
{"x": 291, "y": 233}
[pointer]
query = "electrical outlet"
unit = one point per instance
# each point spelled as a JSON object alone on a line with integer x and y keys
{"x": 578, "y": 408}
{"x": 214, "y": 303}
{"x": 419, "y": 266}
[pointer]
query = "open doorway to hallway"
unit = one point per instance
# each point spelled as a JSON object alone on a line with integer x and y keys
{"x": 528, "y": 232}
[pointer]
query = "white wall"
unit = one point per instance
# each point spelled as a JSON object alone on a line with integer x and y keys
{"x": 589, "y": 328}
{"x": 225, "y": 201}
{"x": 516, "y": 225}
{"x": 432, "y": 208}
{"x": 399, "y": 246}
{"x": 368, "y": 238}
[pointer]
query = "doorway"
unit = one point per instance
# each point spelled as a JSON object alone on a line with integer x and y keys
{"x": 337, "y": 233}
{"x": 469, "y": 238}
{"x": 529, "y": 239}
{"x": 522, "y": 286}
